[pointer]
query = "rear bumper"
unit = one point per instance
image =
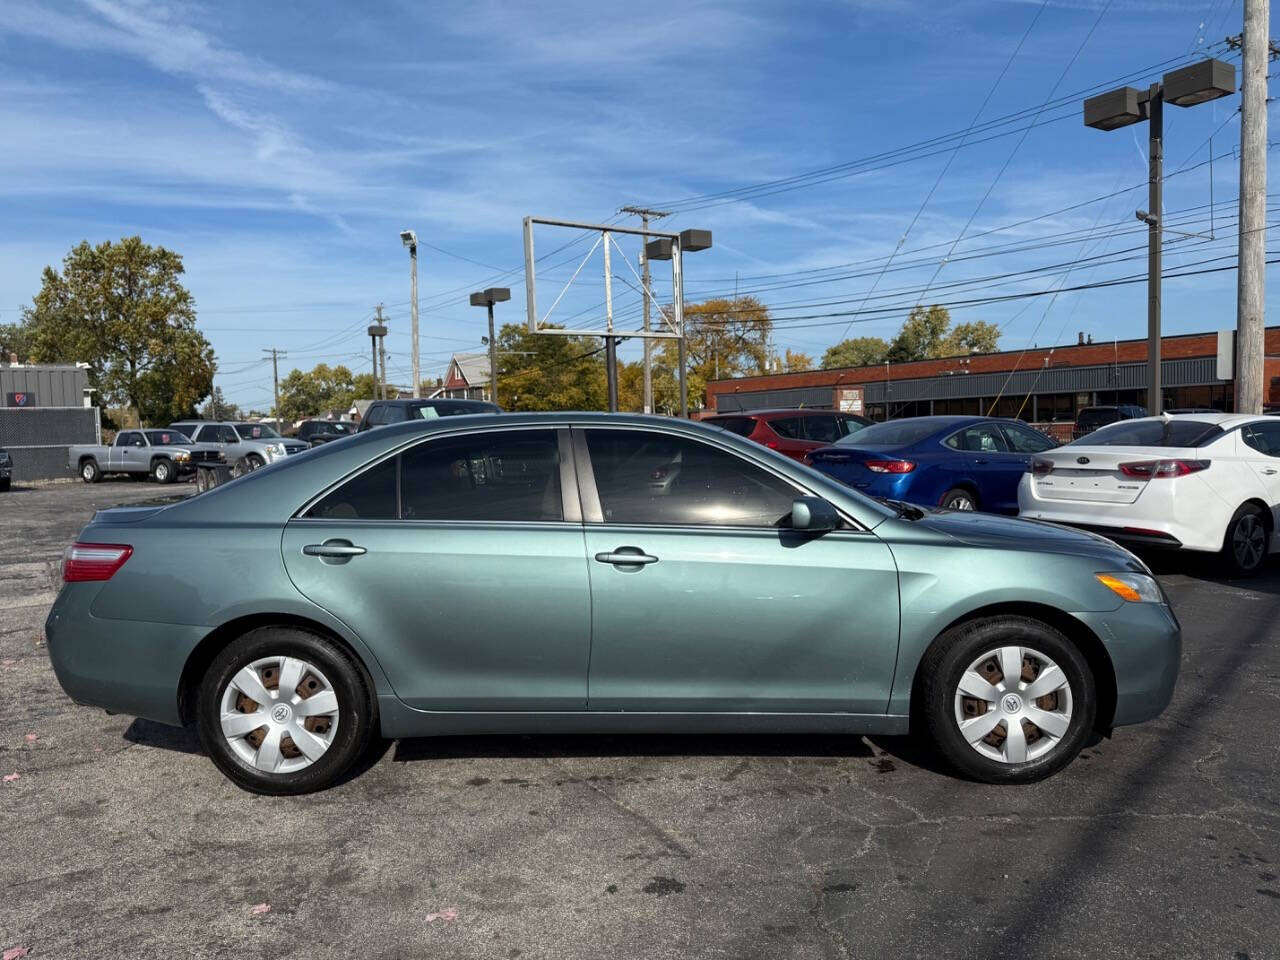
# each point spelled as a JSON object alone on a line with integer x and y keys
{"x": 1188, "y": 515}
{"x": 124, "y": 666}
{"x": 1144, "y": 642}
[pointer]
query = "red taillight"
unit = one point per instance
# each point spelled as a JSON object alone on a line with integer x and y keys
{"x": 889, "y": 466}
{"x": 1154, "y": 469}
{"x": 771, "y": 445}
{"x": 93, "y": 561}
{"x": 1041, "y": 467}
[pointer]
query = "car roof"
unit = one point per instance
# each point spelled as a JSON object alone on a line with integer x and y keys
{"x": 789, "y": 411}
{"x": 448, "y": 401}
{"x": 1223, "y": 420}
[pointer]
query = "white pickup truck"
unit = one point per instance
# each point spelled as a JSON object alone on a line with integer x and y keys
{"x": 164, "y": 455}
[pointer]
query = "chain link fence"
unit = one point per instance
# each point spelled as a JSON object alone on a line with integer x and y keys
{"x": 37, "y": 438}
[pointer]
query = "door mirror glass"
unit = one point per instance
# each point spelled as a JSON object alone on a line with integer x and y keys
{"x": 813, "y": 515}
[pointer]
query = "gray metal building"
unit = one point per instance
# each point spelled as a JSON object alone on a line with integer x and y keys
{"x": 44, "y": 408}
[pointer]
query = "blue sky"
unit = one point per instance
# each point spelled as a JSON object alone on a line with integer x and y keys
{"x": 282, "y": 147}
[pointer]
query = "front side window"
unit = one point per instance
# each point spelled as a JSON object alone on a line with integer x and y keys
{"x": 500, "y": 476}
{"x": 650, "y": 478}
{"x": 168, "y": 438}
{"x": 984, "y": 438}
{"x": 1026, "y": 440}
{"x": 256, "y": 431}
{"x": 1263, "y": 437}
{"x": 823, "y": 427}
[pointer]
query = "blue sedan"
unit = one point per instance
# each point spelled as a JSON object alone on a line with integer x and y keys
{"x": 961, "y": 463}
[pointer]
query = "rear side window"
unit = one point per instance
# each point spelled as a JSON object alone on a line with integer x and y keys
{"x": 823, "y": 427}
{"x": 742, "y": 426}
{"x": 1153, "y": 433}
{"x": 506, "y": 476}
{"x": 367, "y": 496}
{"x": 789, "y": 428}
{"x": 1263, "y": 437}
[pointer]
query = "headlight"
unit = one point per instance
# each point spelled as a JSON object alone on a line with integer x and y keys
{"x": 1134, "y": 587}
{"x": 276, "y": 449}
{"x": 182, "y": 455}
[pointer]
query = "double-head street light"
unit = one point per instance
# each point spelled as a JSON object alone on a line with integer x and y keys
{"x": 487, "y": 298}
{"x": 410, "y": 239}
{"x": 1185, "y": 87}
{"x": 673, "y": 248}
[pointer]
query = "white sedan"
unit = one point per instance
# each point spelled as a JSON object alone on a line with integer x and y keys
{"x": 1204, "y": 481}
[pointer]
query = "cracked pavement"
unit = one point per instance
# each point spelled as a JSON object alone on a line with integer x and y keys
{"x": 120, "y": 839}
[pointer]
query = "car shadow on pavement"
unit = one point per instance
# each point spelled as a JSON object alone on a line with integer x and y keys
{"x": 632, "y": 745}
{"x": 149, "y": 733}
{"x": 1207, "y": 567}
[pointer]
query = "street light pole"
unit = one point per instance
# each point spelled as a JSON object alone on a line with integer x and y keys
{"x": 410, "y": 239}
{"x": 1251, "y": 278}
{"x": 487, "y": 298}
{"x": 1185, "y": 87}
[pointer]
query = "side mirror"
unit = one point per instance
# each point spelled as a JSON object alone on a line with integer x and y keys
{"x": 813, "y": 515}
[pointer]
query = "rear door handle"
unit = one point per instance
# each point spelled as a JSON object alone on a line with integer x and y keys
{"x": 336, "y": 550}
{"x": 626, "y": 557}
{"x": 1268, "y": 471}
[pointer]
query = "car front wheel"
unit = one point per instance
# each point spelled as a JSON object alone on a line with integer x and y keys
{"x": 1007, "y": 699}
{"x": 162, "y": 471}
{"x": 959, "y": 499}
{"x": 283, "y": 711}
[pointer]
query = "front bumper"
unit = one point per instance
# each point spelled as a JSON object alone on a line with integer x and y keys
{"x": 124, "y": 666}
{"x": 1144, "y": 642}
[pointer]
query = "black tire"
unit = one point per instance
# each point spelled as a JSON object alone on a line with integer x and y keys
{"x": 958, "y": 498}
{"x": 202, "y": 481}
{"x": 949, "y": 657}
{"x": 254, "y": 462}
{"x": 357, "y": 718}
{"x": 1245, "y": 544}
{"x": 163, "y": 470}
{"x": 4, "y": 485}
{"x": 89, "y": 471}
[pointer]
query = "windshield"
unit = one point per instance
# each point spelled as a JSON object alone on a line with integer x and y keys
{"x": 256, "y": 431}
{"x": 894, "y": 433}
{"x": 1151, "y": 433}
{"x": 168, "y": 438}
{"x": 429, "y": 411}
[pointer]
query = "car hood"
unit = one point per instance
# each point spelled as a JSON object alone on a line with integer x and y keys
{"x": 1010, "y": 533}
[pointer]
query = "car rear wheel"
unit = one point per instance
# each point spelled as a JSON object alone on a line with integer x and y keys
{"x": 162, "y": 471}
{"x": 89, "y": 472}
{"x": 959, "y": 498}
{"x": 1244, "y": 549}
{"x": 1007, "y": 699}
{"x": 283, "y": 711}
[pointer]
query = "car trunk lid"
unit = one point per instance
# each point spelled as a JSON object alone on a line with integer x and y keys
{"x": 1090, "y": 474}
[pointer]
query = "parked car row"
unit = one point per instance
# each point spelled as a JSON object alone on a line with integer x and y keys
{"x": 163, "y": 455}
{"x": 653, "y": 575}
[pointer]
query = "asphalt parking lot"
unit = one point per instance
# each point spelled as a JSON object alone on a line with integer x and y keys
{"x": 120, "y": 839}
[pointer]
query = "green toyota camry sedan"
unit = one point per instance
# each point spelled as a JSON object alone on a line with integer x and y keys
{"x": 591, "y": 573}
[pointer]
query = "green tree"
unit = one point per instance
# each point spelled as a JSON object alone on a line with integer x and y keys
{"x": 966, "y": 338}
{"x": 15, "y": 338}
{"x": 921, "y": 335}
{"x": 856, "y": 352}
{"x": 219, "y": 408}
{"x": 724, "y": 338}
{"x": 538, "y": 372}
{"x": 306, "y": 393}
{"x": 122, "y": 309}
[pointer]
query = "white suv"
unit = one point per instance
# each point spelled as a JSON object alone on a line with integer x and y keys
{"x": 257, "y": 443}
{"x": 1204, "y": 481}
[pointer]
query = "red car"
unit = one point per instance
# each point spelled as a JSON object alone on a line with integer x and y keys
{"x": 793, "y": 432}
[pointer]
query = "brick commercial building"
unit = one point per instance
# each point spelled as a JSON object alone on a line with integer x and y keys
{"x": 1040, "y": 385}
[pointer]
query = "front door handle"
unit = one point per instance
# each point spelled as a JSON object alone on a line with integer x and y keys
{"x": 626, "y": 557}
{"x": 334, "y": 551}
{"x": 1268, "y": 471}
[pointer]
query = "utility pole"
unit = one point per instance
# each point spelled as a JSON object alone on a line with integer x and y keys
{"x": 610, "y": 342}
{"x": 276, "y": 354}
{"x": 644, "y": 214}
{"x": 1251, "y": 273}
{"x": 378, "y": 339}
{"x": 410, "y": 239}
{"x": 1155, "y": 223}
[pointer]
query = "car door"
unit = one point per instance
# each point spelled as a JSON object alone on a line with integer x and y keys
{"x": 995, "y": 469}
{"x": 790, "y": 434}
{"x": 1260, "y": 444}
{"x": 461, "y": 563}
{"x": 124, "y": 455}
{"x": 724, "y": 609}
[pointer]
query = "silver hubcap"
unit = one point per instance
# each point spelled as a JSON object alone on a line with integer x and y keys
{"x": 1249, "y": 541}
{"x": 279, "y": 714}
{"x": 162, "y": 471}
{"x": 87, "y": 472}
{"x": 1013, "y": 704}
{"x": 960, "y": 502}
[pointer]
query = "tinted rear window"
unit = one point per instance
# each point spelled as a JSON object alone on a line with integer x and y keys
{"x": 1152, "y": 433}
{"x": 742, "y": 426}
{"x": 895, "y": 433}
